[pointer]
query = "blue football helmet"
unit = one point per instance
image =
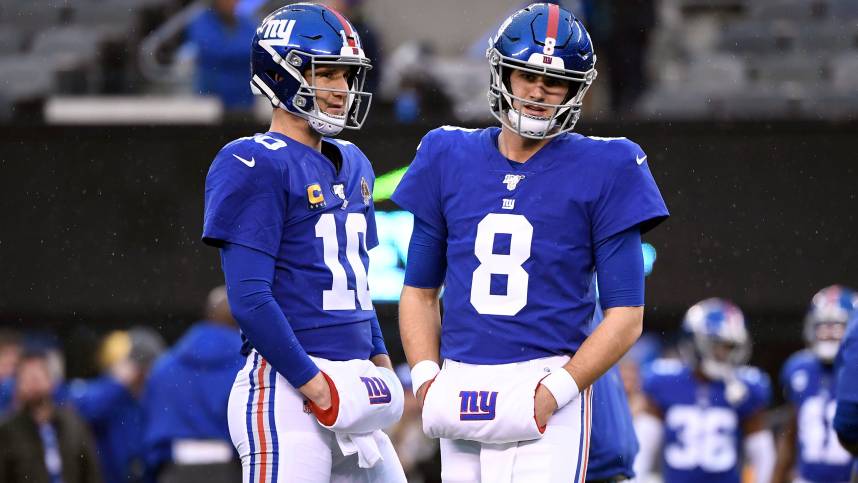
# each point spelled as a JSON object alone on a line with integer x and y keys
{"x": 543, "y": 39}
{"x": 825, "y": 322}
{"x": 715, "y": 339}
{"x": 290, "y": 44}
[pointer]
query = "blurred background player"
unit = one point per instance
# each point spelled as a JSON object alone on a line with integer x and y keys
{"x": 846, "y": 417}
{"x": 40, "y": 442}
{"x": 810, "y": 387}
{"x": 10, "y": 353}
{"x": 517, "y": 278}
{"x": 186, "y": 435}
{"x": 291, "y": 212}
{"x": 111, "y": 404}
{"x": 613, "y": 443}
{"x": 220, "y": 38}
{"x": 709, "y": 407}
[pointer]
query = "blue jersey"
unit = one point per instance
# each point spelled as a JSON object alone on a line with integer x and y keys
{"x": 521, "y": 237}
{"x": 276, "y": 195}
{"x": 613, "y": 443}
{"x": 847, "y": 364}
{"x": 702, "y": 430}
{"x": 811, "y": 387}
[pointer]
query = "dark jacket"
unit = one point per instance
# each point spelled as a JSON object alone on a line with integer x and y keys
{"x": 22, "y": 455}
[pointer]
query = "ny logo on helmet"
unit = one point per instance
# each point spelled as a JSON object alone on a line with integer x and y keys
{"x": 277, "y": 29}
{"x": 477, "y": 405}
{"x": 377, "y": 390}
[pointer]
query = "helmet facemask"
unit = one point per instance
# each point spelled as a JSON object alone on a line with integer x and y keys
{"x": 563, "y": 116}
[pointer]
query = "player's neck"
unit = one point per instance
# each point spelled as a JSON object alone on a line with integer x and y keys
{"x": 518, "y": 148}
{"x": 296, "y": 128}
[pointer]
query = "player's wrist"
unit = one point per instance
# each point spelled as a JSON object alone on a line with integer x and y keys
{"x": 423, "y": 372}
{"x": 562, "y": 386}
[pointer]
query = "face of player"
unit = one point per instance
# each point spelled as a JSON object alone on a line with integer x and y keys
{"x": 537, "y": 88}
{"x": 830, "y": 331}
{"x": 332, "y": 77}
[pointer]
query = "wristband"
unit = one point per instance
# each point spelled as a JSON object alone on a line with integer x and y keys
{"x": 562, "y": 386}
{"x": 421, "y": 372}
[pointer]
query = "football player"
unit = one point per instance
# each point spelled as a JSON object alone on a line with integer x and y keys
{"x": 846, "y": 416}
{"x": 709, "y": 406}
{"x": 513, "y": 221}
{"x": 291, "y": 211}
{"x": 809, "y": 385}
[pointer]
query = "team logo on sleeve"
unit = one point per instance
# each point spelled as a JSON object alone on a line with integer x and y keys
{"x": 315, "y": 197}
{"x": 477, "y": 405}
{"x": 364, "y": 191}
{"x": 377, "y": 390}
{"x": 511, "y": 180}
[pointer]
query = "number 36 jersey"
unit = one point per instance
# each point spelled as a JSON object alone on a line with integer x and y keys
{"x": 702, "y": 429}
{"x": 521, "y": 237}
{"x": 276, "y": 195}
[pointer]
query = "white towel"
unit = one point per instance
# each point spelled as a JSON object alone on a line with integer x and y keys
{"x": 486, "y": 403}
{"x": 366, "y": 445}
{"x": 371, "y": 397}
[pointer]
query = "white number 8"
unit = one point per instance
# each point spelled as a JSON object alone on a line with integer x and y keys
{"x": 521, "y": 236}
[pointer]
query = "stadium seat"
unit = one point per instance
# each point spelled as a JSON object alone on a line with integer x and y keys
{"x": 763, "y": 102}
{"x": 24, "y": 77}
{"x": 797, "y": 10}
{"x": 717, "y": 73}
{"x": 675, "y": 103}
{"x": 844, "y": 73}
{"x": 11, "y": 40}
{"x": 758, "y": 37}
{"x": 826, "y": 37}
{"x": 114, "y": 18}
{"x": 775, "y": 70}
{"x": 843, "y": 9}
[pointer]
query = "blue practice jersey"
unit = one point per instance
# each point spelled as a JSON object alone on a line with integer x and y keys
{"x": 613, "y": 443}
{"x": 520, "y": 237}
{"x": 811, "y": 387}
{"x": 276, "y": 195}
{"x": 702, "y": 430}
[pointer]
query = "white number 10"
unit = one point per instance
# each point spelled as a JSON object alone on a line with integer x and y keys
{"x": 521, "y": 236}
{"x": 340, "y": 296}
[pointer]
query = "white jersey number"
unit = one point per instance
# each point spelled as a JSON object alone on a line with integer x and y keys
{"x": 340, "y": 296}
{"x": 819, "y": 443}
{"x": 705, "y": 438}
{"x": 521, "y": 237}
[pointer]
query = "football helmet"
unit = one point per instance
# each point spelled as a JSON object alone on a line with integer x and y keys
{"x": 715, "y": 338}
{"x": 288, "y": 47}
{"x": 825, "y": 322}
{"x": 543, "y": 39}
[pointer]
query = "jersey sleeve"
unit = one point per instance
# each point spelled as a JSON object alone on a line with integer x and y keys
{"x": 629, "y": 194}
{"x": 419, "y": 191}
{"x": 759, "y": 392}
{"x": 785, "y": 380}
{"x": 653, "y": 381}
{"x": 371, "y": 227}
{"x": 245, "y": 201}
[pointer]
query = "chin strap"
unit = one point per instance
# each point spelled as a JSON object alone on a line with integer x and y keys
{"x": 529, "y": 124}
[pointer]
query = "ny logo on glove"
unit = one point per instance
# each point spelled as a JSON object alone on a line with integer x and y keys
{"x": 377, "y": 390}
{"x": 478, "y": 405}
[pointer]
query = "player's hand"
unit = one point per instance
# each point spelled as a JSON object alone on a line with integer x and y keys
{"x": 544, "y": 405}
{"x": 421, "y": 393}
{"x": 317, "y": 391}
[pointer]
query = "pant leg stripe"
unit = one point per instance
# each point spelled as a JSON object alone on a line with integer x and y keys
{"x": 588, "y": 418}
{"x": 272, "y": 426}
{"x": 249, "y": 419}
{"x": 260, "y": 422}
